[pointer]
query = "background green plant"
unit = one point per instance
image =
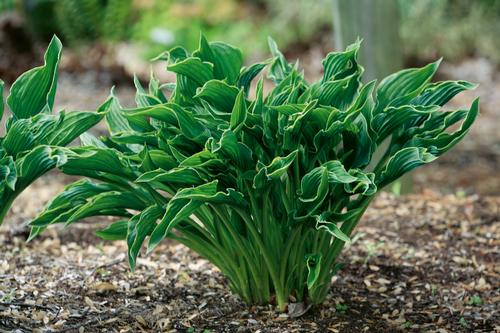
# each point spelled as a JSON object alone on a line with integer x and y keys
{"x": 247, "y": 23}
{"x": 6, "y": 5}
{"x": 79, "y": 21}
{"x": 267, "y": 187}
{"x": 454, "y": 29}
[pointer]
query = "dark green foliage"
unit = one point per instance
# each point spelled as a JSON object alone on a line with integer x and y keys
{"x": 268, "y": 187}
{"x": 25, "y": 150}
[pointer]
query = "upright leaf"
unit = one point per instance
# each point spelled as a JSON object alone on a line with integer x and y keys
{"x": 248, "y": 74}
{"x": 34, "y": 91}
{"x": 139, "y": 227}
{"x": 239, "y": 113}
{"x": 313, "y": 263}
{"x": 227, "y": 60}
{"x": 115, "y": 119}
{"x": 277, "y": 168}
{"x": 401, "y": 87}
{"x": 338, "y": 65}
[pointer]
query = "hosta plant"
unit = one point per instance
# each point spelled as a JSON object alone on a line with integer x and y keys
{"x": 25, "y": 152}
{"x": 267, "y": 181}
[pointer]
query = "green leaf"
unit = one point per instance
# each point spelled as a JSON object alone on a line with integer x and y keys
{"x": 333, "y": 229}
{"x": 314, "y": 189}
{"x": 399, "y": 88}
{"x": 337, "y": 173}
{"x": 70, "y": 125}
{"x": 116, "y": 231}
{"x": 142, "y": 98}
{"x": 440, "y": 93}
{"x": 190, "y": 126}
{"x": 280, "y": 68}
{"x": 339, "y": 93}
{"x": 185, "y": 202}
{"x": 164, "y": 113}
{"x": 152, "y": 97}
{"x": 36, "y": 163}
{"x": 290, "y": 109}
{"x": 396, "y": 118}
{"x": 161, "y": 159}
{"x": 275, "y": 170}
{"x": 364, "y": 184}
{"x": 173, "y": 55}
{"x": 248, "y": 74}
{"x": 208, "y": 193}
{"x": 113, "y": 112}
{"x": 65, "y": 204}
{"x": 103, "y": 203}
{"x": 34, "y": 91}
{"x": 239, "y": 113}
{"x": 313, "y": 263}
{"x": 314, "y": 185}
{"x": 19, "y": 138}
{"x": 444, "y": 141}
{"x": 237, "y": 152}
{"x": 8, "y": 174}
{"x": 402, "y": 162}
{"x": 90, "y": 161}
{"x": 219, "y": 94}
{"x": 338, "y": 65}
{"x": 139, "y": 227}
{"x": 87, "y": 139}
{"x": 177, "y": 210}
{"x": 227, "y": 60}
{"x": 183, "y": 175}
{"x": 193, "y": 68}
{"x": 360, "y": 142}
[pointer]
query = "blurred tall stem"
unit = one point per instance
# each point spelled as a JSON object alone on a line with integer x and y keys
{"x": 377, "y": 22}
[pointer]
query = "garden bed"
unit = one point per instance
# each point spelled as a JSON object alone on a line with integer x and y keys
{"x": 424, "y": 262}
{"x": 420, "y": 263}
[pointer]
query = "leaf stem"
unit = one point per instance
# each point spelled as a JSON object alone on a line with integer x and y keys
{"x": 5, "y": 208}
{"x": 281, "y": 298}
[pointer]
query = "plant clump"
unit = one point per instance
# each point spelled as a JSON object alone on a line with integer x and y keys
{"x": 266, "y": 186}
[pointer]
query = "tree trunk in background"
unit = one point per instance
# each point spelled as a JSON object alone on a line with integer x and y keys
{"x": 377, "y": 23}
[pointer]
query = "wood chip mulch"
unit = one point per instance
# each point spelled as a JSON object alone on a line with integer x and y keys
{"x": 420, "y": 263}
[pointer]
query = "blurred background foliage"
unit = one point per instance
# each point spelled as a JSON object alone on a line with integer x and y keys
{"x": 243, "y": 23}
{"x": 77, "y": 21}
{"x": 454, "y": 29}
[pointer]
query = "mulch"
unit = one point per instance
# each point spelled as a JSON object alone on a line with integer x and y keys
{"x": 420, "y": 263}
